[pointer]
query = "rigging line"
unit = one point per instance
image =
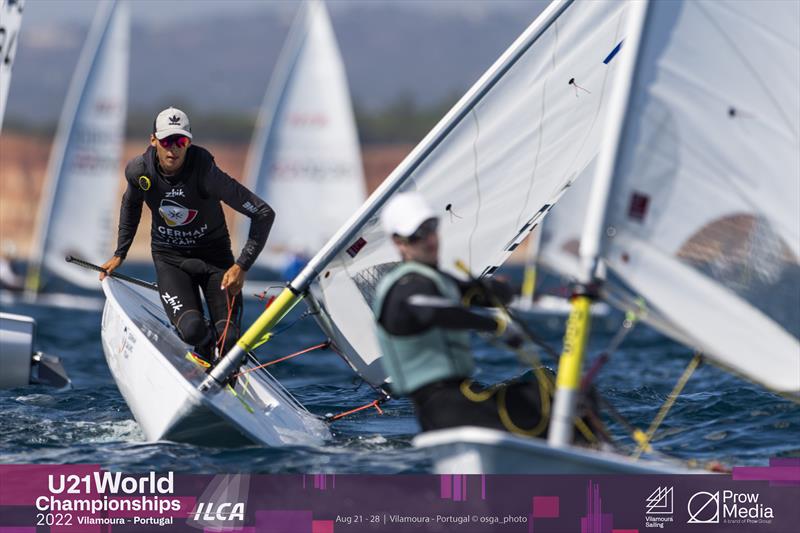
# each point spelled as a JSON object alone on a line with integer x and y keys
{"x": 303, "y": 316}
{"x": 301, "y": 352}
{"x": 644, "y": 444}
{"x": 277, "y": 384}
{"x": 374, "y": 403}
{"x": 753, "y": 72}
{"x": 229, "y": 303}
{"x": 477, "y": 182}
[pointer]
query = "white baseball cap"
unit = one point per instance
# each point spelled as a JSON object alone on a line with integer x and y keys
{"x": 172, "y": 121}
{"x": 405, "y": 213}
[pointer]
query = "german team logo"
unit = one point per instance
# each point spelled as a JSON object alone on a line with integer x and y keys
{"x": 703, "y": 508}
{"x": 174, "y": 214}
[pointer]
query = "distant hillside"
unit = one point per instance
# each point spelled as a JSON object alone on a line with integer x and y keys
{"x": 222, "y": 64}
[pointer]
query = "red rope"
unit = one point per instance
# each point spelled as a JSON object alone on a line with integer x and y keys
{"x": 221, "y": 341}
{"x": 301, "y": 352}
{"x": 374, "y": 403}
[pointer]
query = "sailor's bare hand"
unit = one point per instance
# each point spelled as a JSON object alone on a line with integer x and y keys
{"x": 233, "y": 280}
{"x": 109, "y": 266}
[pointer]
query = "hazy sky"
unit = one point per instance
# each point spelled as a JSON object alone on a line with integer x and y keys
{"x": 46, "y": 11}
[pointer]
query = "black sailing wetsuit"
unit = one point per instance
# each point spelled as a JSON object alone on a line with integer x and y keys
{"x": 190, "y": 243}
{"x": 411, "y": 308}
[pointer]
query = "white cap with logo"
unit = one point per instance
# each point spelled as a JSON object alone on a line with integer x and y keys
{"x": 405, "y": 213}
{"x": 172, "y": 121}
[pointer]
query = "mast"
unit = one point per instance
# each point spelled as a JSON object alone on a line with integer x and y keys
{"x": 579, "y": 322}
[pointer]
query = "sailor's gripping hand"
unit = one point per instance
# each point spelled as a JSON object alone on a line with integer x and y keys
{"x": 109, "y": 266}
{"x": 233, "y": 280}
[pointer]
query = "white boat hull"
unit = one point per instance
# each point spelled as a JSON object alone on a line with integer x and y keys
{"x": 476, "y": 450}
{"x": 160, "y": 385}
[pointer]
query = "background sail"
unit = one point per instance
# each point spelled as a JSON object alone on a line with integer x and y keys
{"x": 305, "y": 159}
{"x": 78, "y": 206}
{"x": 10, "y": 22}
{"x": 704, "y": 216}
{"x": 509, "y": 157}
{"x": 562, "y": 228}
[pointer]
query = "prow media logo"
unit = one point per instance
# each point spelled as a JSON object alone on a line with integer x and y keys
{"x": 659, "y": 507}
{"x": 703, "y": 508}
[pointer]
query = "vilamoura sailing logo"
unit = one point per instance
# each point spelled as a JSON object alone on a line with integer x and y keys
{"x": 659, "y": 507}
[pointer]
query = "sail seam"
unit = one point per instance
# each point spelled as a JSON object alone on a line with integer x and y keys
{"x": 477, "y": 181}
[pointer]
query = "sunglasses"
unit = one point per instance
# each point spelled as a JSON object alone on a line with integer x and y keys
{"x": 425, "y": 230}
{"x": 182, "y": 141}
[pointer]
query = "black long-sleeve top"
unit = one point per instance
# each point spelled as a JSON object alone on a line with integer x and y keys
{"x": 187, "y": 217}
{"x": 414, "y": 305}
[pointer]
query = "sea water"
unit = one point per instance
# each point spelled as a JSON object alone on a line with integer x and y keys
{"x": 718, "y": 416}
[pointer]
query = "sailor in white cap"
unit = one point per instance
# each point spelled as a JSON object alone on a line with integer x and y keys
{"x": 423, "y": 326}
{"x": 183, "y": 187}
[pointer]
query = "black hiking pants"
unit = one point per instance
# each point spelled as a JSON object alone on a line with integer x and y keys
{"x": 181, "y": 281}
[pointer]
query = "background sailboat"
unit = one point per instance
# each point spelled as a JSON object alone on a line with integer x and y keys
{"x": 77, "y": 208}
{"x": 304, "y": 159}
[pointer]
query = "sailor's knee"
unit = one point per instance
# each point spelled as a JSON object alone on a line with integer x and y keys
{"x": 192, "y": 327}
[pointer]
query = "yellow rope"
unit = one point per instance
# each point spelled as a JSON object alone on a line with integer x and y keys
{"x": 471, "y": 395}
{"x": 644, "y": 441}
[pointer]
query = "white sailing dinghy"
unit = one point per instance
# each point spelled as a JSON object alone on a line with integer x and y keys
{"x": 76, "y": 211}
{"x": 304, "y": 159}
{"x": 695, "y": 207}
{"x": 160, "y": 383}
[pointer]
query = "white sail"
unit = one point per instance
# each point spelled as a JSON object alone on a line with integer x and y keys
{"x": 305, "y": 159}
{"x": 703, "y": 220}
{"x": 491, "y": 168}
{"x": 78, "y": 206}
{"x": 10, "y": 22}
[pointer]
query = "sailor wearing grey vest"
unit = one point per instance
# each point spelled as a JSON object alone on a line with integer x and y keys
{"x": 423, "y": 328}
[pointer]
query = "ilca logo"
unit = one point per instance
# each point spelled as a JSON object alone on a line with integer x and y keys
{"x": 659, "y": 507}
{"x": 703, "y": 508}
